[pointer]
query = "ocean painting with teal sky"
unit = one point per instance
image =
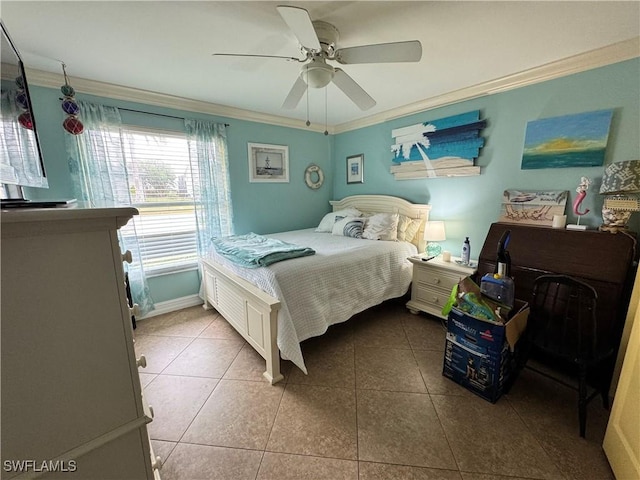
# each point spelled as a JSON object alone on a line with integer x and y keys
{"x": 569, "y": 141}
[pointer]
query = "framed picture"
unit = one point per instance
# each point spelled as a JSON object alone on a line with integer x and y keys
{"x": 355, "y": 169}
{"x": 268, "y": 163}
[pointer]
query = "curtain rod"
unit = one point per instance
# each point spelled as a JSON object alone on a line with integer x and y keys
{"x": 150, "y": 113}
{"x": 158, "y": 114}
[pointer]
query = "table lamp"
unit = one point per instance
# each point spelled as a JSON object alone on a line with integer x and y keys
{"x": 621, "y": 185}
{"x": 434, "y": 232}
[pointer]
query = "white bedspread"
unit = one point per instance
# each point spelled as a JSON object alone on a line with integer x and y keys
{"x": 344, "y": 277}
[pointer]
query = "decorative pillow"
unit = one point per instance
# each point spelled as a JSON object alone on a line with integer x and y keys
{"x": 403, "y": 223}
{"x": 348, "y": 227}
{"x": 326, "y": 224}
{"x": 382, "y": 226}
{"x": 412, "y": 229}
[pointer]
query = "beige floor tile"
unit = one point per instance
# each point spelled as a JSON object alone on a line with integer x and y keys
{"x": 283, "y": 466}
{"x": 249, "y": 365}
{"x": 550, "y": 412}
{"x": 159, "y": 351}
{"x": 314, "y": 420}
{"x": 205, "y": 357}
{"x": 220, "y": 328}
{"x": 380, "y": 327}
{"x": 328, "y": 364}
{"x": 201, "y": 462}
{"x": 175, "y": 401}
{"x": 163, "y": 449}
{"x": 401, "y": 428}
{"x": 238, "y": 414}
{"x": 146, "y": 378}
{"x": 189, "y": 322}
{"x": 430, "y": 365}
{"x": 492, "y": 438}
{"x": 388, "y": 369}
{"x": 384, "y": 471}
{"x": 425, "y": 332}
{"x": 485, "y": 476}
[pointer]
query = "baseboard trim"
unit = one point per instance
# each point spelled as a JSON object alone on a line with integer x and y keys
{"x": 173, "y": 305}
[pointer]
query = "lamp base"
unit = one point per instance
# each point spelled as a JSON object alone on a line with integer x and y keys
{"x": 433, "y": 249}
{"x": 614, "y": 220}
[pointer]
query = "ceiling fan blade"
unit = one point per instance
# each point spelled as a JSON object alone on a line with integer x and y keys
{"x": 296, "y": 93}
{"x": 300, "y": 24}
{"x": 410, "y": 51}
{"x": 258, "y": 56}
{"x": 352, "y": 90}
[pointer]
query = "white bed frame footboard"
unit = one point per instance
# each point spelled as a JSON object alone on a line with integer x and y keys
{"x": 254, "y": 314}
{"x": 249, "y": 310}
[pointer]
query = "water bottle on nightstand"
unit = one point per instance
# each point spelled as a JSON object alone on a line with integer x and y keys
{"x": 466, "y": 251}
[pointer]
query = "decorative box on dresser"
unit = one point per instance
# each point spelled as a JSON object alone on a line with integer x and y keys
{"x": 432, "y": 283}
{"x": 71, "y": 394}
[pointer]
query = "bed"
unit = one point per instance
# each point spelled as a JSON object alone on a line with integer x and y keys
{"x": 276, "y": 307}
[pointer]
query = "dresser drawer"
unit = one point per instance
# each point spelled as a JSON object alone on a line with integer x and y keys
{"x": 436, "y": 278}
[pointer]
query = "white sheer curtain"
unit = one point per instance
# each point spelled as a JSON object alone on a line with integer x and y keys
{"x": 99, "y": 175}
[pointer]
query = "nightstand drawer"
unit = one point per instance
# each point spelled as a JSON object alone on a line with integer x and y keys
{"x": 434, "y": 277}
{"x": 433, "y": 297}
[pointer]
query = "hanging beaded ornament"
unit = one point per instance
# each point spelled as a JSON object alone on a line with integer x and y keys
{"x": 71, "y": 124}
{"x": 25, "y": 119}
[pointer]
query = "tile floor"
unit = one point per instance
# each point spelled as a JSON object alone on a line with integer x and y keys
{"x": 374, "y": 406}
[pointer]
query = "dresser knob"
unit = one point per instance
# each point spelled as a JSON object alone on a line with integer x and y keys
{"x": 135, "y": 310}
{"x": 142, "y": 361}
{"x": 126, "y": 257}
{"x": 436, "y": 280}
{"x": 436, "y": 300}
{"x": 156, "y": 463}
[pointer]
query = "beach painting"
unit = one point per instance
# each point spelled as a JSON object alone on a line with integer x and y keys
{"x": 532, "y": 207}
{"x": 446, "y": 147}
{"x": 568, "y": 141}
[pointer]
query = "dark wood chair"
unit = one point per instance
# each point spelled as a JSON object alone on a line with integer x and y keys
{"x": 563, "y": 328}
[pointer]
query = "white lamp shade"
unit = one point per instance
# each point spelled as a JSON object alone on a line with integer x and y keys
{"x": 434, "y": 231}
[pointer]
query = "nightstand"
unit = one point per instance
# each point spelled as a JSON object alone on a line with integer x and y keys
{"x": 433, "y": 281}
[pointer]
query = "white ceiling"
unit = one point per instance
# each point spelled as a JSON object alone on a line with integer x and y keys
{"x": 166, "y": 46}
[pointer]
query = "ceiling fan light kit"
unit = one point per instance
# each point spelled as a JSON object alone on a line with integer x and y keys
{"x": 318, "y": 45}
{"x": 317, "y": 74}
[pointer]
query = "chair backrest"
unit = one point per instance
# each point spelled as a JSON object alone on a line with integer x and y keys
{"x": 562, "y": 320}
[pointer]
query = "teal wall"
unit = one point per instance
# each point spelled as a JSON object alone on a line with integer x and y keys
{"x": 467, "y": 204}
{"x": 258, "y": 207}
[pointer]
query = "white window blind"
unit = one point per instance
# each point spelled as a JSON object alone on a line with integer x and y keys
{"x": 161, "y": 183}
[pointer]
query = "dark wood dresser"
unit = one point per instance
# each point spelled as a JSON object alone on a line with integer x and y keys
{"x": 604, "y": 260}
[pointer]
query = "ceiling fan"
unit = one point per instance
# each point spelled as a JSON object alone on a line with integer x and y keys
{"x": 318, "y": 44}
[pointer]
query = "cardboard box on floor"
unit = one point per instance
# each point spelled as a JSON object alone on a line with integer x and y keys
{"x": 479, "y": 353}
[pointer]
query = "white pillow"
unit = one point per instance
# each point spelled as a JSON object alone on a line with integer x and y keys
{"x": 326, "y": 224}
{"x": 382, "y": 226}
{"x": 348, "y": 227}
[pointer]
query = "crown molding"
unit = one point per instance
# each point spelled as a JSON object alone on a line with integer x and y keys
{"x": 614, "y": 53}
{"x": 119, "y": 92}
{"x": 601, "y": 57}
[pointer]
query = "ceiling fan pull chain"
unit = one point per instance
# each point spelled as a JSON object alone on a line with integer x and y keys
{"x": 326, "y": 132}
{"x": 308, "y": 122}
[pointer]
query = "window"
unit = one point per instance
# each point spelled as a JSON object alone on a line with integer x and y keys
{"x": 161, "y": 183}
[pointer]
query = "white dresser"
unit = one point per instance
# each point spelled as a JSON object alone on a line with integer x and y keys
{"x": 71, "y": 394}
{"x": 433, "y": 281}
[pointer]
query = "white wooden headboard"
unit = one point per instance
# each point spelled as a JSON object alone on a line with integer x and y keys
{"x": 387, "y": 204}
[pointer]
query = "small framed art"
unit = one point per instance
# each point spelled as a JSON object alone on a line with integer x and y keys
{"x": 268, "y": 163}
{"x": 355, "y": 169}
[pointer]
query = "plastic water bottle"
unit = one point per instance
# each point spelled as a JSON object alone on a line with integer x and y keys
{"x": 466, "y": 251}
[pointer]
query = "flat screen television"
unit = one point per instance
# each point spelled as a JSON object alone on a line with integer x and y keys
{"x": 21, "y": 161}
